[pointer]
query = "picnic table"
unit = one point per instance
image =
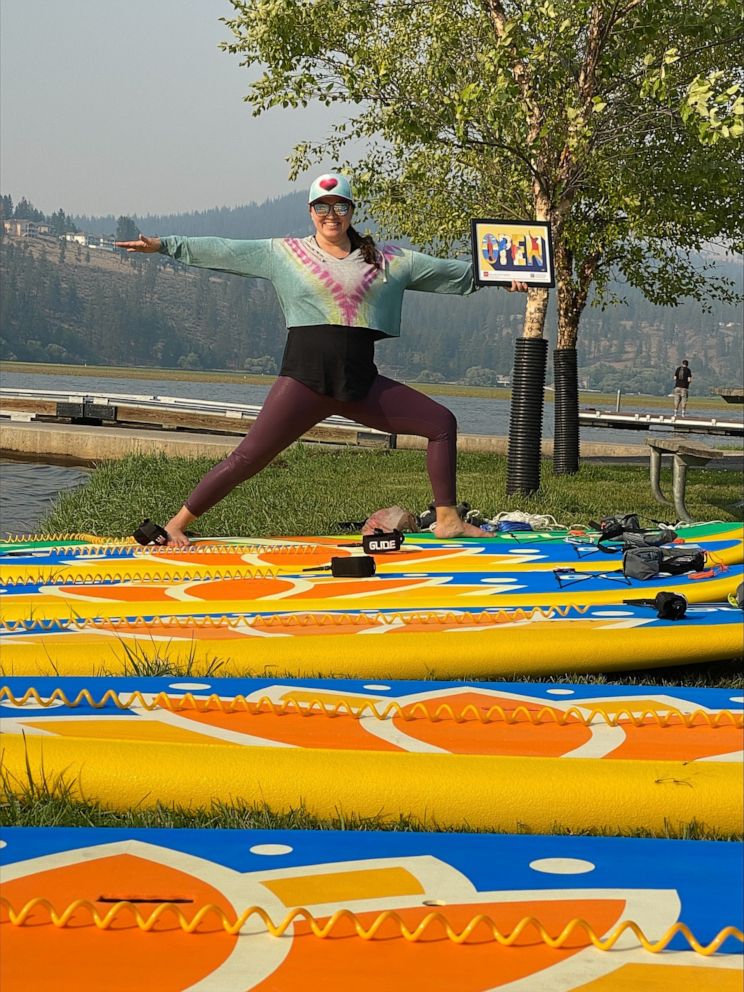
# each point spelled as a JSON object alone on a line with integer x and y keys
{"x": 684, "y": 456}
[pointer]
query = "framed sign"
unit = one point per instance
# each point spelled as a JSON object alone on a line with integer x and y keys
{"x": 505, "y": 251}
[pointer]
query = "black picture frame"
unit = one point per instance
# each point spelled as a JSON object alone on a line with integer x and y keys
{"x": 532, "y": 264}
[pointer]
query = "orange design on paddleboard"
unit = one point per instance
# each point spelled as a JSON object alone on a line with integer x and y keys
{"x": 495, "y": 737}
{"x": 315, "y": 730}
{"x": 391, "y": 963}
{"x": 121, "y": 959}
{"x": 677, "y": 742}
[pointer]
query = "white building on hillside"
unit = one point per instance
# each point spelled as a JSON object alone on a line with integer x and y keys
{"x": 25, "y": 228}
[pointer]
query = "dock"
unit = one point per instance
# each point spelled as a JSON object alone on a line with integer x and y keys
{"x": 166, "y": 413}
{"x": 657, "y": 422}
{"x": 732, "y": 394}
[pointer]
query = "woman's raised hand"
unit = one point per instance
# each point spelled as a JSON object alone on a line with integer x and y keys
{"x": 143, "y": 244}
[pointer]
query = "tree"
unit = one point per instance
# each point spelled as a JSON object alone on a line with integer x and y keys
{"x": 24, "y": 210}
{"x": 265, "y": 365}
{"x": 614, "y": 120}
{"x": 190, "y": 361}
{"x": 476, "y": 375}
{"x": 126, "y": 229}
{"x": 60, "y": 223}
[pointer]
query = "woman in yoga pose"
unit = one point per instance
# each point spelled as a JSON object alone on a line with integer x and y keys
{"x": 340, "y": 293}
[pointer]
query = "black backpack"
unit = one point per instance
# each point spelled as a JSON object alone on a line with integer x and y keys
{"x": 647, "y": 563}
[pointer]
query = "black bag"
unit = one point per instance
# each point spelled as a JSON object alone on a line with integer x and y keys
{"x": 615, "y": 526}
{"x": 648, "y": 538}
{"x": 627, "y": 530}
{"x": 679, "y": 561}
{"x": 646, "y": 563}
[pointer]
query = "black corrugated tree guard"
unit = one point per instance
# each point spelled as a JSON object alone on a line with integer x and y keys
{"x": 525, "y": 421}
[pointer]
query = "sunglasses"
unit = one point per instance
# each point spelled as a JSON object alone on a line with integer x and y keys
{"x": 339, "y": 209}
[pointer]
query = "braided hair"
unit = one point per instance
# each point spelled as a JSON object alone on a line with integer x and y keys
{"x": 366, "y": 245}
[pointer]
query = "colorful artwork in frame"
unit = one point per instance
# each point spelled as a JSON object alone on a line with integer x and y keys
{"x": 505, "y": 251}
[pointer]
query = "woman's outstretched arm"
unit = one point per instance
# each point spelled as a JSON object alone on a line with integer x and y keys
{"x": 429, "y": 274}
{"x": 244, "y": 258}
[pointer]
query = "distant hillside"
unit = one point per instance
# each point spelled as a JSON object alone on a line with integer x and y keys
{"x": 272, "y": 219}
{"x": 76, "y": 304}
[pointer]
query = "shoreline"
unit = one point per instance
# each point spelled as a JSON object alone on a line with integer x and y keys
{"x": 77, "y": 444}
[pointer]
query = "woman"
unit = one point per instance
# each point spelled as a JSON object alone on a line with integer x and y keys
{"x": 340, "y": 293}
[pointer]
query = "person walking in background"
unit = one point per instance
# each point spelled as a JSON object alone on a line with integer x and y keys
{"x": 682, "y": 378}
{"x": 340, "y": 293}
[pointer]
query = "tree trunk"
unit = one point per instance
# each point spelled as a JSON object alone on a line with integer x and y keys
{"x": 535, "y": 312}
{"x": 570, "y": 304}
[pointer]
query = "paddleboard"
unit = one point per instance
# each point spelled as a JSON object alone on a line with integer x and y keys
{"x": 490, "y": 755}
{"x": 314, "y": 589}
{"x": 393, "y": 910}
{"x": 366, "y": 643}
{"x": 88, "y": 564}
{"x": 518, "y": 719}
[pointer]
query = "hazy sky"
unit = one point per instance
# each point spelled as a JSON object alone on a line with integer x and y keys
{"x": 128, "y": 106}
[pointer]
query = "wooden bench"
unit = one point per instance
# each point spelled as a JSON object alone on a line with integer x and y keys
{"x": 684, "y": 456}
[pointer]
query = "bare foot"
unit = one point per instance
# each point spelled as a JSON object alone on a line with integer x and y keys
{"x": 176, "y": 537}
{"x": 450, "y": 524}
{"x": 460, "y": 529}
{"x": 175, "y": 528}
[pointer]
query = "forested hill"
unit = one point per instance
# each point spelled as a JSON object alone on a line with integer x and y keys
{"x": 275, "y": 218}
{"x": 64, "y": 302}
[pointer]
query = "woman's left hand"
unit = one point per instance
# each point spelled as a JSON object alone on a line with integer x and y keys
{"x": 518, "y": 287}
{"x": 145, "y": 244}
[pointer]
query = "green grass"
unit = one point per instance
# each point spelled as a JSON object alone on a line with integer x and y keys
{"x": 719, "y": 675}
{"x": 309, "y": 490}
{"x": 135, "y": 372}
{"x": 145, "y": 662}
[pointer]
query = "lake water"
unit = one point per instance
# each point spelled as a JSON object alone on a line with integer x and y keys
{"x": 28, "y": 491}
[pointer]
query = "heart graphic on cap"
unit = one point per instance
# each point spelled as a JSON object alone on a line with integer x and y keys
{"x": 328, "y": 183}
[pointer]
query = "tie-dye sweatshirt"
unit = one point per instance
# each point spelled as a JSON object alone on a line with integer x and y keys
{"x": 315, "y": 288}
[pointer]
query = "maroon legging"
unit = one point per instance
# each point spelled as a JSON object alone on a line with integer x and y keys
{"x": 292, "y": 408}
